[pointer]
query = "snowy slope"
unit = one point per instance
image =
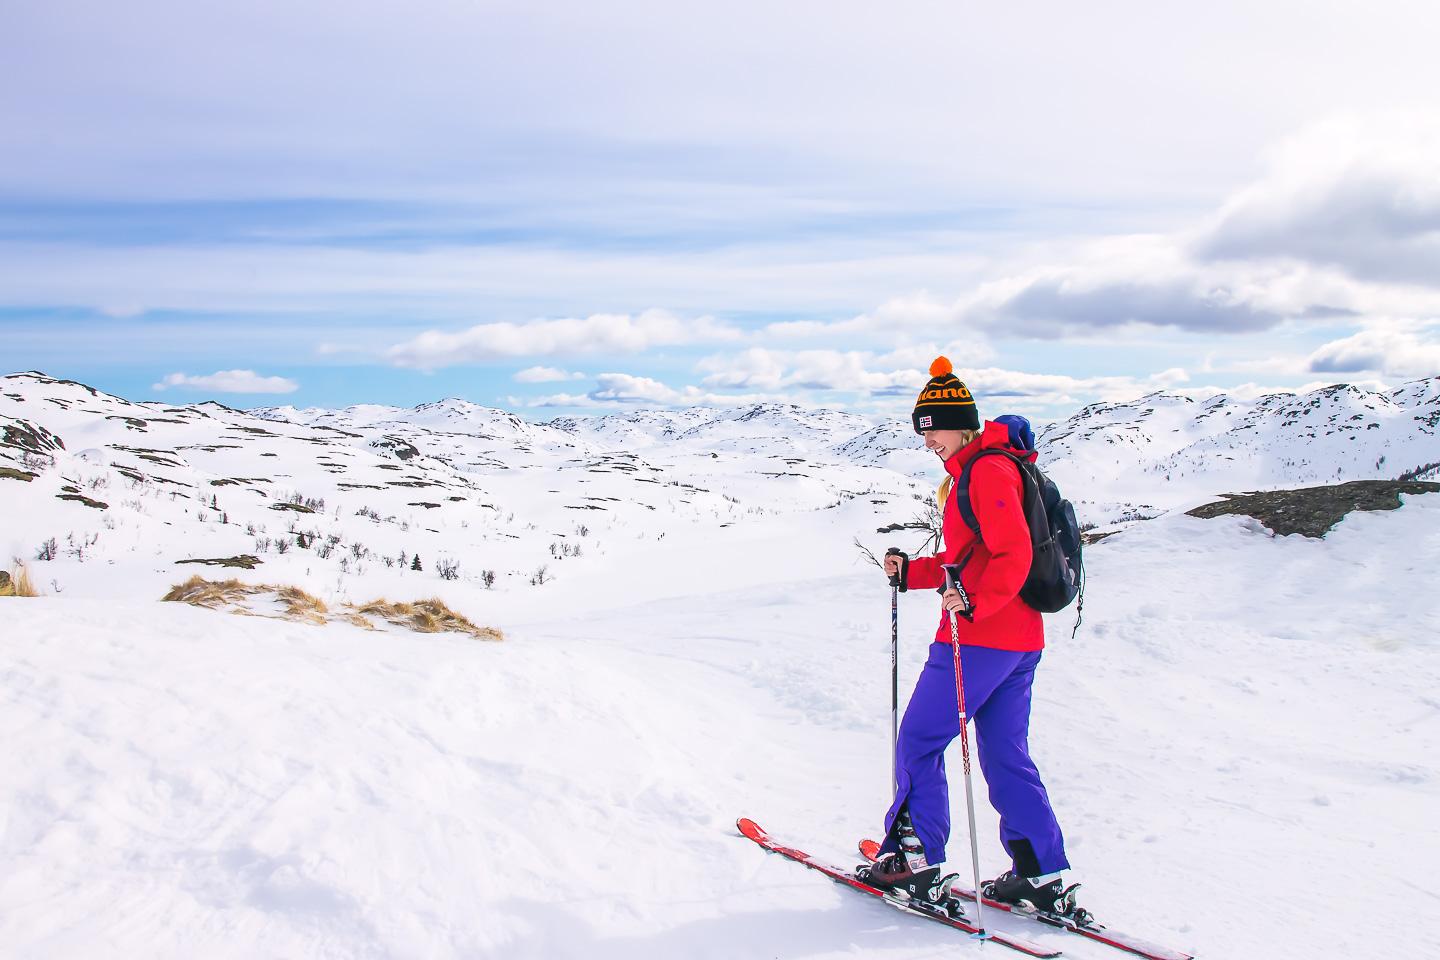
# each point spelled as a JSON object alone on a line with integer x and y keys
{"x": 188, "y": 783}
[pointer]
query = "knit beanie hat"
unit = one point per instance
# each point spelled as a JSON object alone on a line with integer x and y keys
{"x": 945, "y": 403}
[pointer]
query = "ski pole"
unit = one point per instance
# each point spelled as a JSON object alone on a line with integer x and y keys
{"x": 952, "y": 581}
{"x": 894, "y": 673}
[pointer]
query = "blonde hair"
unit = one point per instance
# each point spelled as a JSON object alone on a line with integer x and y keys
{"x": 968, "y": 436}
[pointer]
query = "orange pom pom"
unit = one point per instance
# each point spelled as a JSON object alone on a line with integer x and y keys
{"x": 940, "y": 367}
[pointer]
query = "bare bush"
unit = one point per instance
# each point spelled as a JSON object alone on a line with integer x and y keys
{"x": 77, "y": 548}
{"x": 448, "y": 569}
{"x": 310, "y": 503}
{"x": 37, "y": 462}
{"x": 49, "y": 550}
{"x": 487, "y": 577}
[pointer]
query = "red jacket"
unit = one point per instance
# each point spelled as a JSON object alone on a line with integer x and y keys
{"x": 999, "y": 560}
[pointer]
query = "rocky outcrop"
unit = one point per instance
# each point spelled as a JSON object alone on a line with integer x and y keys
{"x": 1314, "y": 511}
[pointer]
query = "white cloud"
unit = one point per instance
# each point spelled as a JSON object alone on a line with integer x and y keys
{"x": 228, "y": 381}
{"x": 626, "y": 388}
{"x": 915, "y": 313}
{"x": 545, "y": 375}
{"x": 846, "y": 371}
{"x": 554, "y": 400}
{"x": 598, "y": 333}
{"x": 1357, "y": 193}
{"x": 1390, "y": 352}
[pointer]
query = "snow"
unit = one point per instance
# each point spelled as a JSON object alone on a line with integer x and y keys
{"x": 1239, "y": 715}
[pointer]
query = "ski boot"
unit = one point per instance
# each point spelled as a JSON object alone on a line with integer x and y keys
{"x": 907, "y": 872}
{"x": 1051, "y": 898}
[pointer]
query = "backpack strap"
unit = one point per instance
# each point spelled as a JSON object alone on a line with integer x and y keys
{"x": 962, "y": 486}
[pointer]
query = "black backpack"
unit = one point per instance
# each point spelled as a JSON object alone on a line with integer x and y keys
{"x": 1057, "y": 572}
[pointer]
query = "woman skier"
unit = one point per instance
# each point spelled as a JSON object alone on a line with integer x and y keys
{"x": 1000, "y": 642}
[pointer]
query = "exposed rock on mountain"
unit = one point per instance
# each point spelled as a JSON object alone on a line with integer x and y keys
{"x": 1314, "y": 511}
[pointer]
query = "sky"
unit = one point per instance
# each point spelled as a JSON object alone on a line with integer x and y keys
{"x": 578, "y": 208}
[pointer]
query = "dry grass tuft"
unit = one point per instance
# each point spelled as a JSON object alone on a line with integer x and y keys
{"x": 17, "y": 583}
{"x": 300, "y": 605}
{"x": 422, "y": 616}
{"x": 428, "y": 616}
{"x": 211, "y": 594}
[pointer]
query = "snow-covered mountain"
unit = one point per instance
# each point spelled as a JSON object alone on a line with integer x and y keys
{"x": 457, "y": 479}
{"x": 147, "y": 484}
{"x": 1167, "y": 448}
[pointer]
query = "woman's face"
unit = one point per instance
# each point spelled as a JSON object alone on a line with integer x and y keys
{"x": 944, "y": 442}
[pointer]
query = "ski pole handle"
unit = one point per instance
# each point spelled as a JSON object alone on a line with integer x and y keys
{"x": 953, "y": 582}
{"x": 897, "y": 579}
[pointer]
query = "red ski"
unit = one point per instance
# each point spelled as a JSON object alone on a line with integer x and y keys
{"x": 1095, "y": 931}
{"x": 751, "y": 829}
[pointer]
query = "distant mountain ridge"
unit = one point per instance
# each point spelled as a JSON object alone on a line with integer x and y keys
{"x": 1339, "y": 432}
{"x": 1161, "y": 448}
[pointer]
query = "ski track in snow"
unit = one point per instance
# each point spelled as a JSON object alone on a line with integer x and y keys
{"x": 1239, "y": 713}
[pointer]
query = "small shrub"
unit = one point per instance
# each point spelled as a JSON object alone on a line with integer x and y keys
{"x": 448, "y": 569}
{"x": 37, "y": 462}
{"x": 487, "y": 577}
{"x": 312, "y": 504}
{"x": 49, "y": 550}
{"x": 77, "y": 548}
{"x": 541, "y": 574}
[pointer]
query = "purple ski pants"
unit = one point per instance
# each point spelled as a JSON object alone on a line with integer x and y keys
{"x": 997, "y": 698}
